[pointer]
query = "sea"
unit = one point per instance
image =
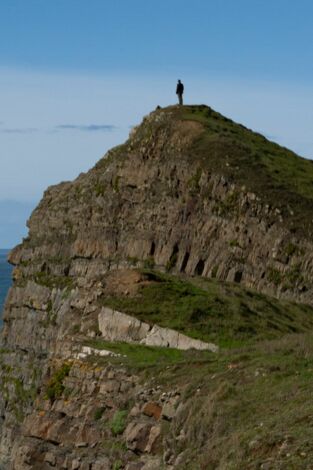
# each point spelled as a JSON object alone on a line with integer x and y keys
{"x": 5, "y": 278}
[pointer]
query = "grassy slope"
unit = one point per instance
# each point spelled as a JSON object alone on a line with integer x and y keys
{"x": 246, "y": 406}
{"x": 227, "y": 314}
{"x": 277, "y": 175}
{"x": 242, "y": 408}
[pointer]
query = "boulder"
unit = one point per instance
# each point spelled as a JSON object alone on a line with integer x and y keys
{"x": 152, "y": 409}
{"x": 137, "y": 436}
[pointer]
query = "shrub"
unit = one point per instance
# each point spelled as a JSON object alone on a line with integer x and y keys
{"x": 274, "y": 276}
{"x": 214, "y": 271}
{"x": 117, "y": 465}
{"x": 55, "y": 386}
{"x": 118, "y": 422}
{"x": 98, "y": 413}
{"x": 149, "y": 263}
{"x": 291, "y": 249}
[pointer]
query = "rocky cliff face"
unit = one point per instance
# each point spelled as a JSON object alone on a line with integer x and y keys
{"x": 173, "y": 197}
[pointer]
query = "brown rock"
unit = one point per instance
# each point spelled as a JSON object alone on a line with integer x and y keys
{"x": 152, "y": 409}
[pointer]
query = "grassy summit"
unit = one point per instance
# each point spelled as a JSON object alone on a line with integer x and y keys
{"x": 279, "y": 176}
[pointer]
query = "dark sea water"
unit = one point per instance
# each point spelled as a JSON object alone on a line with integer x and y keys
{"x": 5, "y": 278}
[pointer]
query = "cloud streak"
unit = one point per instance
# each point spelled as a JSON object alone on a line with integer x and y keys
{"x": 19, "y": 130}
{"x": 61, "y": 127}
{"x": 86, "y": 128}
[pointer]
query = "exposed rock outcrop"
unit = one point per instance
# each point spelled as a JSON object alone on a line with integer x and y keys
{"x": 117, "y": 326}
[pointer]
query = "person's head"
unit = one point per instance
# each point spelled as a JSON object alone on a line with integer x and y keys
{"x": 179, "y": 81}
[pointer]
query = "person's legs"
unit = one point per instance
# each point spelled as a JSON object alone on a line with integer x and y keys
{"x": 180, "y": 98}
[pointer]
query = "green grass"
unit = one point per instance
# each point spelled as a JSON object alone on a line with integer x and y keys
{"x": 51, "y": 281}
{"x": 118, "y": 423}
{"x": 248, "y": 407}
{"x": 141, "y": 356}
{"x": 224, "y": 313}
{"x": 279, "y": 176}
{"x": 238, "y": 409}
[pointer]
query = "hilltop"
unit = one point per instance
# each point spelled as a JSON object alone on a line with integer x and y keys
{"x": 195, "y": 228}
{"x": 276, "y": 175}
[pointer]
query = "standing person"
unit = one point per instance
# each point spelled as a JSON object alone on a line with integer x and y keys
{"x": 179, "y": 92}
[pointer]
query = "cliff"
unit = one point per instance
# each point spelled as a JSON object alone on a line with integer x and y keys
{"x": 196, "y": 227}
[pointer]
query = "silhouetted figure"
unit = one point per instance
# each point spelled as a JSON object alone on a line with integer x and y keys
{"x": 179, "y": 92}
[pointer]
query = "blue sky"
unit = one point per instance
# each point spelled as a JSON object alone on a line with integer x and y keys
{"x": 244, "y": 37}
{"x": 76, "y": 74}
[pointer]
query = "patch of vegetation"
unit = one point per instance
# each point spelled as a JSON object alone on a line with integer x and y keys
{"x": 116, "y": 450}
{"x": 75, "y": 329}
{"x": 141, "y": 356}
{"x": 55, "y": 387}
{"x": 117, "y": 465}
{"x": 118, "y": 423}
{"x": 149, "y": 263}
{"x": 194, "y": 182}
{"x": 275, "y": 276}
{"x": 48, "y": 280}
{"x": 98, "y": 413}
{"x": 291, "y": 249}
{"x": 226, "y": 206}
{"x": 229, "y": 424}
{"x": 214, "y": 272}
{"x": 288, "y": 279}
{"x": 116, "y": 155}
{"x": 224, "y": 313}
{"x": 294, "y": 275}
{"x": 171, "y": 262}
{"x": 51, "y": 316}
{"x": 14, "y": 390}
{"x": 100, "y": 189}
{"x": 116, "y": 184}
{"x": 133, "y": 260}
{"x": 4, "y": 351}
{"x": 234, "y": 243}
{"x": 222, "y": 412}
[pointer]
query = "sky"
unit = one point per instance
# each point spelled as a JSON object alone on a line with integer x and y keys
{"x": 75, "y": 75}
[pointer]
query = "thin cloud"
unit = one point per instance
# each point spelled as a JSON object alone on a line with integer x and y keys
{"x": 86, "y": 128}
{"x": 19, "y": 130}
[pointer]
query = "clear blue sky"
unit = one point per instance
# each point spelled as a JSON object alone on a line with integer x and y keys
{"x": 250, "y": 38}
{"x": 76, "y": 74}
